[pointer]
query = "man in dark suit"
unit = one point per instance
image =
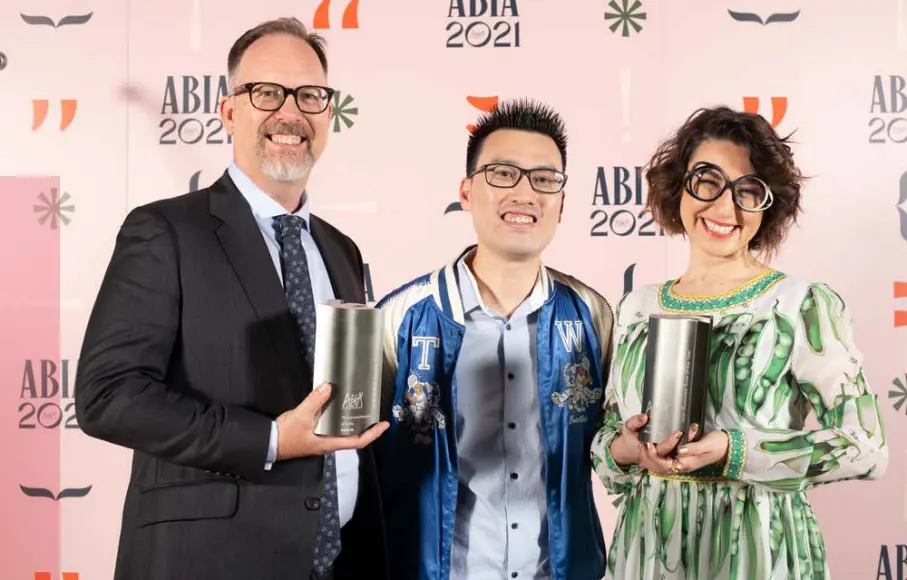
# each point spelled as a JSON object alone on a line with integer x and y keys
{"x": 198, "y": 352}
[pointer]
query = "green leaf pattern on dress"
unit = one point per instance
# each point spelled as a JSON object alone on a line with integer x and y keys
{"x": 781, "y": 349}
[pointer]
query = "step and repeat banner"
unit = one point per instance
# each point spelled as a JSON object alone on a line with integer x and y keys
{"x": 109, "y": 104}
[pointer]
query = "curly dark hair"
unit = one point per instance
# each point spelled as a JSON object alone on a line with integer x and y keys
{"x": 770, "y": 156}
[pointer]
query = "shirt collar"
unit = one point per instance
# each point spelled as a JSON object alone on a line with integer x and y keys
{"x": 264, "y": 207}
{"x": 472, "y": 299}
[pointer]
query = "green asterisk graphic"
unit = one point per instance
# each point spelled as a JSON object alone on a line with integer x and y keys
{"x": 53, "y": 209}
{"x": 625, "y": 16}
{"x": 343, "y": 112}
{"x": 899, "y": 396}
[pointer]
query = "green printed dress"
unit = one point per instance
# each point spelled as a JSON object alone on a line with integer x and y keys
{"x": 781, "y": 348}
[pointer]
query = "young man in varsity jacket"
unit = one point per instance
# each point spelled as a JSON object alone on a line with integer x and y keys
{"x": 495, "y": 369}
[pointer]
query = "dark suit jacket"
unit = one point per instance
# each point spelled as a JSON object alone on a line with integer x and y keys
{"x": 189, "y": 353}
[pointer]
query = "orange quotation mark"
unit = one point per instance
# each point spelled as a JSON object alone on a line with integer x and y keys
{"x": 350, "y": 15}
{"x": 64, "y": 576}
{"x": 900, "y": 316}
{"x": 779, "y": 108}
{"x": 483, "y": 104}
{"x": 41, "y": 106}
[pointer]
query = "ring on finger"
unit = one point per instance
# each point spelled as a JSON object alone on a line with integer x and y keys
{"x": 676, "y": 467}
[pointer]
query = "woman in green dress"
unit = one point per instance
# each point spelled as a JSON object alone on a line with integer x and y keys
{"x": 732, "y": 505}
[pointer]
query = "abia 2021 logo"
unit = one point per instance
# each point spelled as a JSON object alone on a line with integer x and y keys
{"x": 190, "y": 111}
{"x": 887, "y": 122}
{"x": 618, "y": 203}
{"x": 483, "y": 24}
{"x": 46, "y": 394}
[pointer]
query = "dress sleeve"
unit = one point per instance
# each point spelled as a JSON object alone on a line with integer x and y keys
{"x": 615, "y": 479}
{"x": 827, "y": 375}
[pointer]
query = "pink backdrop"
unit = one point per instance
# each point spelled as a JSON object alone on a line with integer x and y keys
{"x": 84, "y": 100}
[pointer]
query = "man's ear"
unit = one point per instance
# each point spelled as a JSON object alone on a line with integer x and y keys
{"x": 465, "y": 193}
{"x": 563, "y": 199}
{"x": 226, "y": 114}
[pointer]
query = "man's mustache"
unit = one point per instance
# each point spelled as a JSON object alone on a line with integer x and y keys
{"x": 297, "y": 129}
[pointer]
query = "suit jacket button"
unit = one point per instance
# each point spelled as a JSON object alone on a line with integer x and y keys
{"x": 312, "y": 503}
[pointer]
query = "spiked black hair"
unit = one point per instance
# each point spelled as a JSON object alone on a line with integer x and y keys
{"x": 522, "y": 114}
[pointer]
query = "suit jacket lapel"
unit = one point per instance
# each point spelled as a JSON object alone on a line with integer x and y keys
{"x": 344, "y": 278}
{"x": 243, "y": 244}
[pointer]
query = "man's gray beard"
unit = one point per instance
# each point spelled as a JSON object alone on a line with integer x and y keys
{"x": 285, "y": 170}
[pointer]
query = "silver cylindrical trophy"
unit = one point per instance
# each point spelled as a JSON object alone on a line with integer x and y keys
{"x": 349, "y": 355}
{"x": 675, "y": 381}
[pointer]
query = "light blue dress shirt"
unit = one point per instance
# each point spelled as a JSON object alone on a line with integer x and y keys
{"x": 265, "y": 208}
{"x": 501, "y": 528}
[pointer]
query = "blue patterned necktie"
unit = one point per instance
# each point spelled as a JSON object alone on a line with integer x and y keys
{"x": 298, "y": 287}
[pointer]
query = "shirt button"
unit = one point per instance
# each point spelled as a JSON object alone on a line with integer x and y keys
{"x": 511, "y": 425}
{"x": 510, "y": 376}
{"x": 312, "y": 503}
{"x": 514, "y": 574}
{"x": 514, "y": 526}
{"x": 508, "y": 328}
{"x": 513, "y": 476}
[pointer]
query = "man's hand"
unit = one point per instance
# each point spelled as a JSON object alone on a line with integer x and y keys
{"x": 296, "y": 429}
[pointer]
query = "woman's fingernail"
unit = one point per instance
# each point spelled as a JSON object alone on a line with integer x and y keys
{"x": 682, "y": 451}
{"x": 694, "y": 427}
{"x": 679, "y": 434}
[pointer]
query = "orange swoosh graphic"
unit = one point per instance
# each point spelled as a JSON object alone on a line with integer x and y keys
{"x": 39, "y": 113}
{"x": 351, "y": 15}
{"x": 483, "y": 103}
{"x": 900, "y": 316}
{"x": 322, "y": 15}
{"x": 779, "y": 109}
{"x": 900, "y": 289}
{"x": 68, "y": 112}
{"x": 751, "y": 105}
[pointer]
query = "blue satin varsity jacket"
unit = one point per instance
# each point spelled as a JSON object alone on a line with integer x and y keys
{"x": 417, "y": 455}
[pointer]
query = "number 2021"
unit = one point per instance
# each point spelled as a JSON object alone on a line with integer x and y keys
{"x": 48, "y": 416}
{"x": 625, "y": 224}
{"x": 505, "y": 34}
{"x": 191, "y": 131}
{"x": 895, "y": 130}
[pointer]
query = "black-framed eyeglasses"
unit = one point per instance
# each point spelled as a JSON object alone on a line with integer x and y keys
{"x": 311, "y": 99}
{"x": 707, "y": 182}
{"x": 541, "y": 179}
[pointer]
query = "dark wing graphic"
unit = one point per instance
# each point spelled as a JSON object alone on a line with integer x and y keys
{"x": 37, "y": 20}
{"x": 75, "y": 19}
{"x": 37, "y": 492}
{"x": 745, "y": 17}
{"x": 782, "y": 17}
{"x": 74, "y": 492}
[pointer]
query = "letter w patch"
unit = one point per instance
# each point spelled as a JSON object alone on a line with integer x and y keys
{"x": 571, "y": 332}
